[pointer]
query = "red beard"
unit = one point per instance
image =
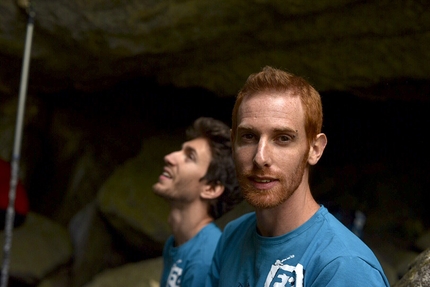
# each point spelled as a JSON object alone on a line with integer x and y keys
{"x": 269, "y": 198}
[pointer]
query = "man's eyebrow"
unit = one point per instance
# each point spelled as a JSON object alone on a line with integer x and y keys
{"x": 245, "y": 127}
{"x": 286, "y": 130}
{"x": 276, "y": 130}
{"x": 189, "y": 149}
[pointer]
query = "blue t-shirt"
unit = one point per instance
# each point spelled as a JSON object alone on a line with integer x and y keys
{"x": 188, "y": 264}
{"x": 321, "y": 252}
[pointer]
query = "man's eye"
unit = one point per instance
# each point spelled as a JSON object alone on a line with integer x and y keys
{"x": 191, "y": 156}
{"x": 285, "y": 138}
{"x": 246, "y": 138}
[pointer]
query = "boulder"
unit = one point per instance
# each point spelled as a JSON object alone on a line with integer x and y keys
{"x": 94, "y": 249}
{"x": 146, "y": 273}
{"x": 419, "y": 272}
{"x": 338, "y": 45}
{"x": 39, "y": 247}
{"x": 128, "y": 203}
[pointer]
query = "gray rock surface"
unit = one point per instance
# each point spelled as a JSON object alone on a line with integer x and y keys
{"x": 39, "y": 247}
{"x": 419, "y": 272}
{"x": 146, "y": 273}
{"x": 338, "y": 45}
{"x": 128, "y": 202}
{"x": 93, "y": 246}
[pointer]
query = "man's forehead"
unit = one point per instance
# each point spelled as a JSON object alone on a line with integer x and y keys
{"x": 199, "y": 145}
{"x": 273, "y": 107}
{"x": 273, "y": 127}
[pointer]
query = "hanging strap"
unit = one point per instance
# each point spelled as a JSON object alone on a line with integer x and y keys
{"x": 10, "y": 214}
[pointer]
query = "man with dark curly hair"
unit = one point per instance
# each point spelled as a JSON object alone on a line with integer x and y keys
{"x": 200, "y": 184}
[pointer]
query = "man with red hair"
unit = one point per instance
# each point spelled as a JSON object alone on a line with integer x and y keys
{"x": 290, "y": 239}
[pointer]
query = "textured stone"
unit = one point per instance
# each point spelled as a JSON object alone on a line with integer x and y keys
{"x": 337, "y": 45}
{"x": 146, "y": 273}
{"x": 39, "y": 247}
{"x": 128, "y": 202}
{"x": 419, "y": 273}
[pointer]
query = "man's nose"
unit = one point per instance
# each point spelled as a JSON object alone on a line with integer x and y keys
{"x": 262, "y": 157}
{"x": 170, "y": 158}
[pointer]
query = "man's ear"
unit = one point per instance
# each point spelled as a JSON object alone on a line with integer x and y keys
{"x": 317, "y": 148}
{"x": 212, "y": 191}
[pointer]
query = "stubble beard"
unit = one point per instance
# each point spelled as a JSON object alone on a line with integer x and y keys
{"x": 171, "y": 194}
{"x": 161, "y": 192}
{"x": 270, "y": 198}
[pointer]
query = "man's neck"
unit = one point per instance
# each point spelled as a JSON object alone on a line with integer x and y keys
{"x": 294, "y": 212}
{"x": 187, "y": 221}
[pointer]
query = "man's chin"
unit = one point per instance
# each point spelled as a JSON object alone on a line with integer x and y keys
{"x": 261, "y": 199}
{"x": 262, "y": 205}
{"x": 157, "y": 189}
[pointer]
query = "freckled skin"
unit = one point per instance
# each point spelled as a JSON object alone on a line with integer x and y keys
{"x": 272, "y": 157}
{"x": 270, "y": 145}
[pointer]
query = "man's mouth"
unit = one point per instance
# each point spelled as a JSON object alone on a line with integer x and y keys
{"x": 262, "y": 180}
{"x": 166, "y": 174}
{"x": 263, "y": 183}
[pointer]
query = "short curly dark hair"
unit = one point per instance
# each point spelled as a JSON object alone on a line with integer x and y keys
{"x": 221, "y": 168}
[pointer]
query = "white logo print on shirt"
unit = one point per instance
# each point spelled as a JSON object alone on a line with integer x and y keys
{"x": 174, "y": 279}
{"x": 283, "y": 275}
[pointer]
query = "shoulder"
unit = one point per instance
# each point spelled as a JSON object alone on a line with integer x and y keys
{"x": 342, "y": 239}
{"x": 238, "y": 229}
{"x": 242, "y": 222}
{"x": 335, "y": 239}
{"x": 211, "y": 230}
{"x": 342, "y": 253}
{"x": 202, "y": 246}
{"x": 351, "y": 271}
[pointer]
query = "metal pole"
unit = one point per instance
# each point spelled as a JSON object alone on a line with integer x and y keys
{"x": 10, "y": 214}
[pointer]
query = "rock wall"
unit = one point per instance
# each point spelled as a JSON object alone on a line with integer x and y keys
{"x": 338, "y": 45}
